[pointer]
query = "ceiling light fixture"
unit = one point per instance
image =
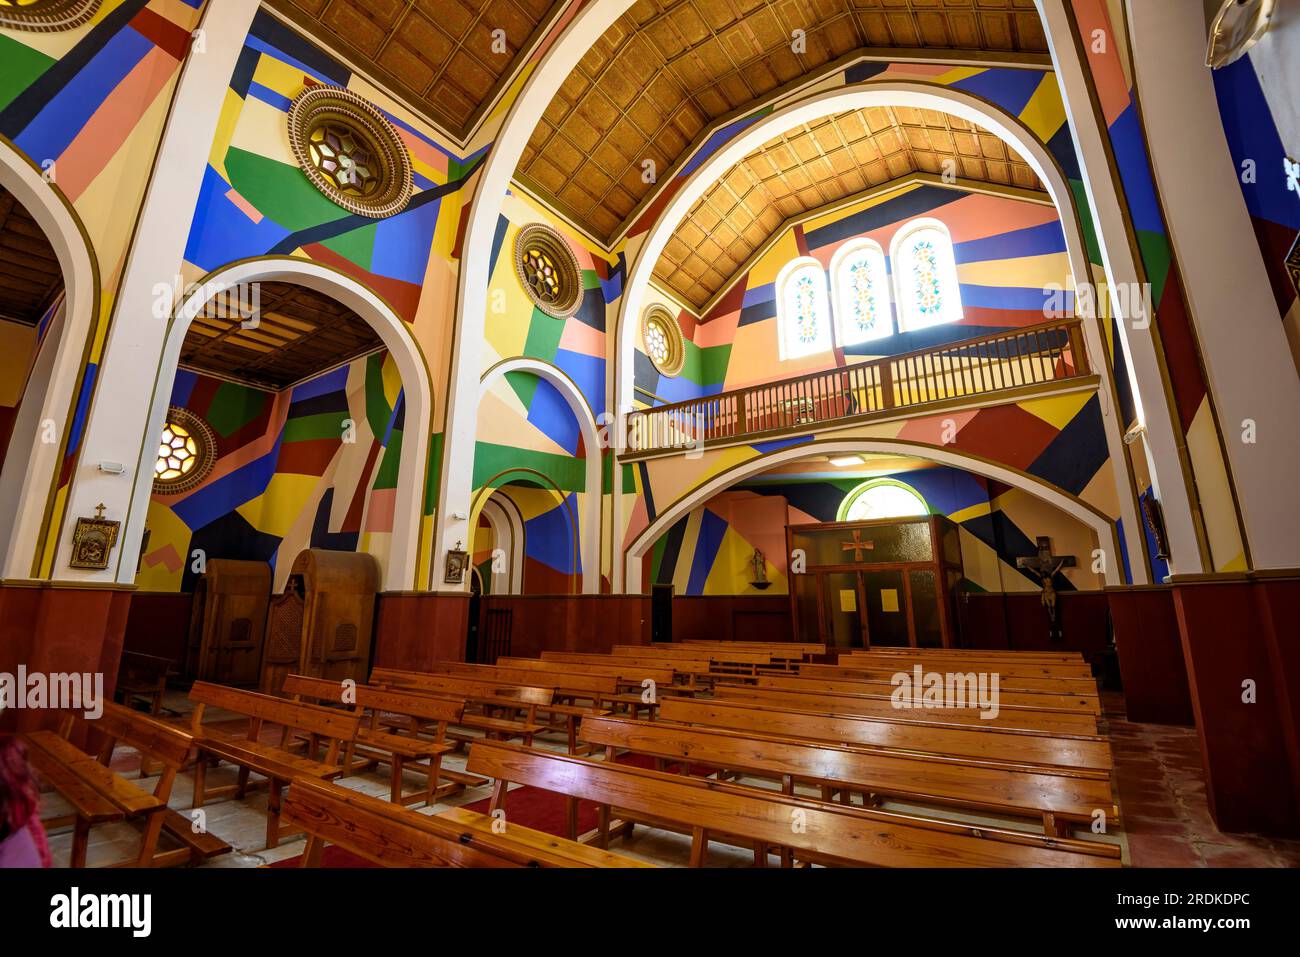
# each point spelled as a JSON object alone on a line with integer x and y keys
{"x": 843, "y": 460}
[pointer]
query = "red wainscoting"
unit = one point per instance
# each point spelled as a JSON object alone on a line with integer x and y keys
{"x": 579, "y": 623}
{"x": 159, "y": 624}
{"x": 413, "y": 630}
{"x": 1151, "y": 655}
{"x": 60, "y": 629}
{"x": 1018, "y": 621}
{"x": 732, "y": 618}
{"x": 1236, "y": 630}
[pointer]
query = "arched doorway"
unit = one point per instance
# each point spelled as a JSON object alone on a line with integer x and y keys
{"x": 358, "y": 325}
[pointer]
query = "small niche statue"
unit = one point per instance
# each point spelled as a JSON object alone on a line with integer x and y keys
{"x": 759, "y": 563}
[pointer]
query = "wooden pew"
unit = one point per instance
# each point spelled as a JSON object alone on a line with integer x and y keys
{"x": 815, "y": 831}
{"x": 881, "y": 707}
{"x": 719, "y": 660}
{"x": 278, "y": 765}
{"x": 1068, "y": 657}
{"x": 142, "y": 677}
{"x": 392, "y": 836}
{"x": 885, "y": 673}
{"x": 375, "y": 745}
{"x": 693, "y": 672}
{"x": 1055, "y": 796}
{"x": 631, "y": 678}
{"x": 1007, "y": 746}
{"x": 488, "y": 694}
{"x": 593, "y": 687}
{"x": 1038, "y": 700}
{"x": 1006, "y": 667}
{"x": 98, "y": 794}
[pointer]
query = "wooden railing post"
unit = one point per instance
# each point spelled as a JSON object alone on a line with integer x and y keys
{"x": 1077, "y": 350}
{"x": 887, "y": 384}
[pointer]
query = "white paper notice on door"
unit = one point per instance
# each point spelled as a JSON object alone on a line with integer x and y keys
{"x": 889, "y": 599}
{"x": 848, "y": 599}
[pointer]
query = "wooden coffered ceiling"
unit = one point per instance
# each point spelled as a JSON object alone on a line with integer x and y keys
{"x": 298, "y": 333}
{"x": 30, "y": 276}
{"x": 435, "y": 54}
{"x": 667, "y": 69}
{"x": 814, "y": 166}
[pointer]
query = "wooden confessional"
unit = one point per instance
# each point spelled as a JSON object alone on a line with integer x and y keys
{"x": 889, "y": 582}
{"x": 228, "y": 622}
{"x": 321, "y": 625}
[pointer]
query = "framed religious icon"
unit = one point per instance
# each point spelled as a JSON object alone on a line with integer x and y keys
{"x": 92, "y": 540}
{"x": 457, "y": 559}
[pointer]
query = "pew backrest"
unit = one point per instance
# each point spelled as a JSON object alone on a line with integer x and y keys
{"x": 423, "y": 706}
{"x": 330, "y": 723}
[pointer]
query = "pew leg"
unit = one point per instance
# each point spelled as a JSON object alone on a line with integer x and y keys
{"x": 273, "y": 814}
{"x": 395, "y": 779}
{"x": 602, "y": 816}
{"x": 80, "y": 838}
{"x": 760, "y": 854}
{"x": 431, "y": 791}
{"x": 699, "y": 846}
{"x": 571, "y": 817}
{"x": 242, "y": 788}
{"x": 311, "y": 854}
{"x": 149, "y": 840}
{"x": 200, "y": 779}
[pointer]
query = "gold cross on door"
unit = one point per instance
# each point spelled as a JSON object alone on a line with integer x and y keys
{"x": 857, "y": 546}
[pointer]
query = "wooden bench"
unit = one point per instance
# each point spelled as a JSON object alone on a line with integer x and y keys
{"x": 1008, "y": 746}
{"x": 880, "y": 706}
{"x": 814, "y": 831}
{"x": 487, "y": 694}
{"x": 99, "y": 795}
{"x": 1006, "y": 682}
{"x": 694, "y": 673}
{"x": 1063, "y": 656}
{"x": 277, "y": 764}
{"x": 392, "y": 836}
{"x": 401, "y": 752}
{"x": 591, "y": 687}
{"x": 1055, "y": 796}
{"x": 142, "y": 677}
{"x": 1071, "y": 701}
{"x": 1006, "y": 667}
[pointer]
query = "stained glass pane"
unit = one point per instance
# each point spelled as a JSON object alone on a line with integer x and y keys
{"x": 804, "y": 314}
{"x": 927, "y": 279}
{"x": 862, "y": 296}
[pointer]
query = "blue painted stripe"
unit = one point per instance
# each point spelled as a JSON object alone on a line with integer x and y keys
{"x": 1039, "y": 240}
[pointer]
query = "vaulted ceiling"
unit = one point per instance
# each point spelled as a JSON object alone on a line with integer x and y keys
{"x": 297, "y": 333}
{"x": 667, "y": 69}
{"x": 436, "y": 54}
{"x": 30, "y": 277}
{"x": 816, "y": 165}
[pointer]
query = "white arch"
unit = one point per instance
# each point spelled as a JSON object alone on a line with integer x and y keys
{"x": 418, "y": 417}
{"x": 839, "y": 289}
{"x": 878, "y": 93}
{"x": 1103, "y": 527}
{"x": 784, "y": 319}
{"x": 589, "y": 544}
{"x": 508, "y": 535}
{"x": 948, "y": 267}
{"x": 554, "y": 67}
{"x": 27, "y": 479}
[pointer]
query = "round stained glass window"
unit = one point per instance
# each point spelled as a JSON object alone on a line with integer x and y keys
{"x": 548, "y": 270}
{"x": 186, "y": 452}
{"x": 663, "y": 341}
{"x": 350, "y": 151}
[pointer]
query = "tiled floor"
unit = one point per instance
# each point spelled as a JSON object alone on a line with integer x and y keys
{"x": 1163, "y": 805}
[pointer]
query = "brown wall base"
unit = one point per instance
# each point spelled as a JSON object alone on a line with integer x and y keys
{"x": 1236, "y": 631}
{"x": 578, "y": 623}
{"x": 732, "y": 618}
{"x": 415, "y": 630}
{"x": 59, "y": 629}
{"x": 1150, "y": 649}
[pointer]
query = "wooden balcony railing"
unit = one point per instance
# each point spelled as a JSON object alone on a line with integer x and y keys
{"x": 1033, "y": 355}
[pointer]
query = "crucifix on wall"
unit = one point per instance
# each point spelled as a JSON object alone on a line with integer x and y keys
{"x": 857, "y": 546}
{"x": 1044, "y": 566}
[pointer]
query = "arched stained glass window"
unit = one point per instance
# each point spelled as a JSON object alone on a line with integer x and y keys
{"x": 925, "y": 275}
{"x": 803, "y": 309}
{"x": 881, "y": 498}
{"x": 861, "y": 293}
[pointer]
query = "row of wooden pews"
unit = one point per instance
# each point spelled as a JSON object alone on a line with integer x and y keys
{"x": 780, "y": 728}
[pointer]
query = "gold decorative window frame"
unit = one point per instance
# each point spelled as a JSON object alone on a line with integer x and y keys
{"x": 205, "y": 455}
{"x": 663, "y": 317}
{"x": 318, "y": 105}
{"x": 569, "y": 299}
{"x": 46, "y": 16}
